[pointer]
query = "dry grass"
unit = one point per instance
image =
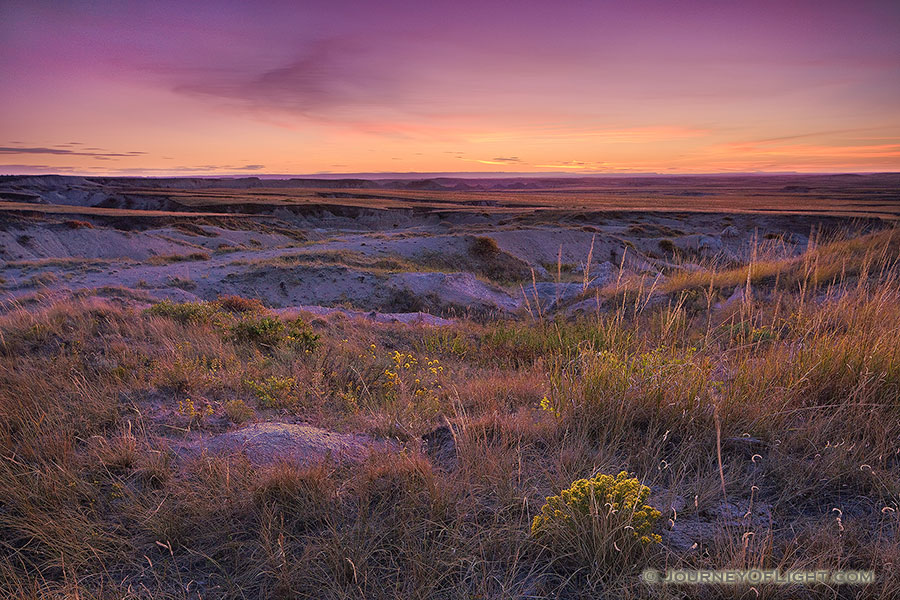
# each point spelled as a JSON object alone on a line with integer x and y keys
{"x": 338, "y": 258}
{"x": 788, "y": 397}
{"x": 166, "y": 259}
{"x": 870, "y": 254}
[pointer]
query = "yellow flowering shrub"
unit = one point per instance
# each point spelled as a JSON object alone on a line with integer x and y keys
{"x": 412, "y": 387}
{"x": 405, "y": 371}
{"x": 274, "y": 391}
{"x": 548, "y": 407}
{"x": 618, "y": 503}
{"x": 195, "y": 411}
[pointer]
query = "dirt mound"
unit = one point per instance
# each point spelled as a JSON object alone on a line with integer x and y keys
{"x": 271, "y": 442}
{"x": 703, "y": 527}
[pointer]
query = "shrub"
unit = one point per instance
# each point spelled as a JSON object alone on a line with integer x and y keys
{"x": 405, "y": 484}
{"x": 443, "y": 341}
{"x": 653, "y": 230}
{"x": 267, "y": 332}
{"x": 667, "y": 245}
{"x": 273, "y": 391}
{"x": 238, "y": 411}
{"x": 195, "y": 411}
{"x": 599, "y": 517}
{"x": 484, "y": 247}
{"x": 404, "y": 300}
{"x": 271, "y": 332}
{"x": 300, "y": 336}
{"x": 406, "y": 376}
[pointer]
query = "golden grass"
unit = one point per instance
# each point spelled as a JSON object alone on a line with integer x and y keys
{"x": 872, "y": 254}
{"x": 166, "y": 259}
{"x": 789, "y": 397}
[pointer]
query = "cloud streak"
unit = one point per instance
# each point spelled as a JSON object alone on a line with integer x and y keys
{"x": 211, "y": 169}
{"x": 92, "y": 152}
{"x": 324, "y": 77}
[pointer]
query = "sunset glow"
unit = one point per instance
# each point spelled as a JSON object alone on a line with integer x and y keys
{"x": 189, "y": 88}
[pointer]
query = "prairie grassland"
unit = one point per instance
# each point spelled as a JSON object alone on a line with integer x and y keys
{"x": 788, "y": 398}
{"x": 856, "y": 196}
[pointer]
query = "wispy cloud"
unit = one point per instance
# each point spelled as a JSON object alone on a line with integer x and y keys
{"x": 226, "y": 169}
{"x": 571, "y": 164}
{"x": 19, "y": 169}
{"x": 57, "y": 150}
{"x": 327, "y": 75}
{"x": 623, "y": 135}
{"x": 811, "y": 134}
{"x": 502, "y": 160}
{"x": 196, "y": 169}
{"x": 776, "y": 147}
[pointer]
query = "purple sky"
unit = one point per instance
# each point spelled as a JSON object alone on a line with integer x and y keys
{"x": 303, "y": 87}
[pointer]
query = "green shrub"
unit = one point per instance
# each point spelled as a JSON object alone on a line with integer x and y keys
{"x": 260, "y": 331}
{"x": 599, "y": 514}
{"x": 271, "y": 332}
{"x": 300, "y": 336}
{"x": 273, "y": 391}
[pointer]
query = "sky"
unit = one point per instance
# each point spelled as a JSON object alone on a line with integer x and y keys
{"x": 309, "y": 86}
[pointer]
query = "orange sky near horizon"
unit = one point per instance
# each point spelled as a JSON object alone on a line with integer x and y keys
{"x": 212, "y": 88}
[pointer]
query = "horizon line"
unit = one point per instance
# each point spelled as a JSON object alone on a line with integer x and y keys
{"x": 375, "y": 175}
